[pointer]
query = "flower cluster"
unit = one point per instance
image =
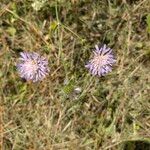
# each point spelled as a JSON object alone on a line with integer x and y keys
{"x": 34, "y": 67}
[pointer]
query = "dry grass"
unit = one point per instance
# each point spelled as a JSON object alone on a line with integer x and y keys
{"x": 110, "y": 112}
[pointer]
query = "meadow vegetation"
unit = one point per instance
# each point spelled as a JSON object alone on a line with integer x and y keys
{"x": 71, "y": 109}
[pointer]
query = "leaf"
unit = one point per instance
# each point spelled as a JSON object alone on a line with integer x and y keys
{"x": 11, "y": 31}
{"x": 53, "y": 25}
{"x": 67, "y": 89}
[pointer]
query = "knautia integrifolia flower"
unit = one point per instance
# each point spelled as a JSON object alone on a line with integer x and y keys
{"x": 102, "y": 61}
{"x": 32, "y": 66}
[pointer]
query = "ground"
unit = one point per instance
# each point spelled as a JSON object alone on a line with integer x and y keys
{"x": 71, "y": 109}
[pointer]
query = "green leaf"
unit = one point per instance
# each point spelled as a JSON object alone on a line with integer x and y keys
{"x": 53, "y": 25}
{"x": 67, "y": 89}
{"x": 11, "y": 31}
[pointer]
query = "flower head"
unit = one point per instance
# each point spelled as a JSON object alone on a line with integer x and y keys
{"x": 102, "y": 61}
{"x": 32, "y": 66}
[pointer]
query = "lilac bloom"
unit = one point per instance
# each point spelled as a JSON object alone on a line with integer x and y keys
{"x": 32, "y": 66}
{"x": 102, "y": 61}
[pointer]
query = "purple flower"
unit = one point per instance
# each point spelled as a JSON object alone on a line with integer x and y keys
{"x": 102, "y": 61}
{"x": 32, "y": 66}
